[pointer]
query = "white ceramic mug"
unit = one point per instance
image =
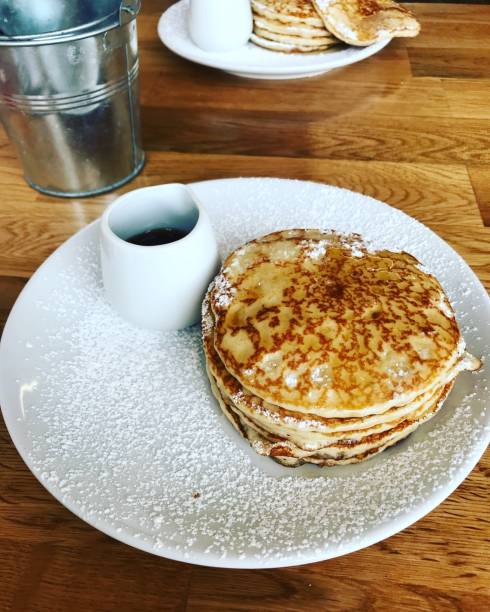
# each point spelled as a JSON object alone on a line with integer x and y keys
{"x": 157, "y": 287}
{"x": 220, "y": 25}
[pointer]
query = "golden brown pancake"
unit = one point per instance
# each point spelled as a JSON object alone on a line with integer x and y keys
{"x": 287, "y": 47}
{"x": 288, "y": 11}
{"x": 321, "y": 351}
{"x": 314, "y": 322}
{"x": 290, "y": 29}
{"x": 364, "y": 22}
{"x": 297, "y": 41}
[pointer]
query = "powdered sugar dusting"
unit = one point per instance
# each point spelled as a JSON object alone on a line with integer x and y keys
{"x": 317, "y": 249}
{"x": 121, "y": 425}
{"x": 341, "y": 23}
{"x": 207, "y": 322}
{"x": 223, "y": 291}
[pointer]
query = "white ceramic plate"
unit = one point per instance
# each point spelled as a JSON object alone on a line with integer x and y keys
{"x": 253, "y": 61}
{"x": 120, "y": 426}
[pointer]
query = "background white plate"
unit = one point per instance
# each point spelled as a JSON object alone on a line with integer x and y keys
{"x": 253, "y": 61}
{"x": 120, "y": 426}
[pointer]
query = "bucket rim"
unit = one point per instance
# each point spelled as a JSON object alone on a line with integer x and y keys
{"x": 118, "y": 18}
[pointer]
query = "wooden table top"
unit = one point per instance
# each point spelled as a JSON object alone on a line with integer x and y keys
{"x": 410, "y": 126}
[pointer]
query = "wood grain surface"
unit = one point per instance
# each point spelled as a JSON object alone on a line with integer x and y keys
{"x": 410, "y": 126}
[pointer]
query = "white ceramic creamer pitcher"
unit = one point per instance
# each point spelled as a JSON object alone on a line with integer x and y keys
{"x": 220, "y": 25}
{"x": 157, "y": 287}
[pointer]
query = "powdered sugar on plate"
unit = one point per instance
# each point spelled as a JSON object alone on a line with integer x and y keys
{"x": 121, "y": 426}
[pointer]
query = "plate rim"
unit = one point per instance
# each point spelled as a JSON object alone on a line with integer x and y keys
{"x": 375, "y": 535}
{"x": 215, "y": 59}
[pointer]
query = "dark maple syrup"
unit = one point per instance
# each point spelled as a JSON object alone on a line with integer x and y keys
{"x": 157, "y": 236}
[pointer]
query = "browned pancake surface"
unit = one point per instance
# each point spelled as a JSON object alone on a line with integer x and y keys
{"x": 312, "y": 321}
{"x": 288, "y": 11}
{"x": 364, "y": 22}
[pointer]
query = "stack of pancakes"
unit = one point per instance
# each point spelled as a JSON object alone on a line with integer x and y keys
{"x": 306, "y": 26}
{"x": 290, "y": 26}
{"x": 321, "y": 351}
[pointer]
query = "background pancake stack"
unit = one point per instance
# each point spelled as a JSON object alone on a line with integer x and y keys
{"x": 306, "y": 26}
{"x": 320, "y": 351}
{"x": 290, "y": 26}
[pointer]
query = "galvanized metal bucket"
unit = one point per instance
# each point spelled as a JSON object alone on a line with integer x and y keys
{"x": 69, "y": 93}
